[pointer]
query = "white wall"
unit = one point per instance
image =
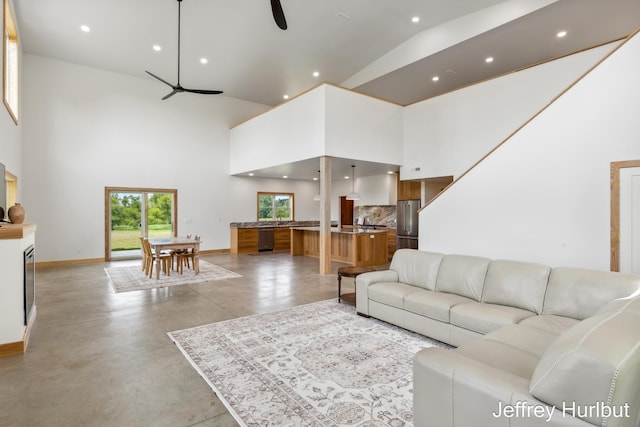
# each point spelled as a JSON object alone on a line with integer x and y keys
{"x": 326, "y": 120}
{"x": 446, "y": 135}
{"x": 544, "y": 195}
{"x": 84, "y": 129}
{"x": 362, "y": 128}
{"x": 290, "y": 132}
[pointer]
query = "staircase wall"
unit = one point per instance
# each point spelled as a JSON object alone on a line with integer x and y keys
{"x": 544, "y": 195}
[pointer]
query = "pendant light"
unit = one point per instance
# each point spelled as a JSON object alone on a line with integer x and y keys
{"x": 317, "y": 197}
{"x": 353, "y": 195}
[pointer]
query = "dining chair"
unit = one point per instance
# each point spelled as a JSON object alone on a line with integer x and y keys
{"x": 185, "y": 257}
{"x": 149, "y": 258}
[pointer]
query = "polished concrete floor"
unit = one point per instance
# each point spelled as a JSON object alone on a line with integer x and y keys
{"x": 97, "y": 358}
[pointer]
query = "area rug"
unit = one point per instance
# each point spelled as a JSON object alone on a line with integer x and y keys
{"x": 313, "y": 365}
{"x": 132, "y": 278}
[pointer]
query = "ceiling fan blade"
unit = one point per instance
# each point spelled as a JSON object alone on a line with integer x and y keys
{"x": 156, "y": 77}
{"x": 173, "y": 92}
{"x": 204, "y": 91}
{"x": 278, "y": 14}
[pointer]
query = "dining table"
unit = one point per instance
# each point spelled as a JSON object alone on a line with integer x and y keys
{"x": 165, "y": 243}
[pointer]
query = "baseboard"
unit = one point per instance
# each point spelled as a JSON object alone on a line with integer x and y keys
{"x": 12, "y": 349}
{"x": 68, "y": 262}
{"x": 215, "y": 251}
{"x": 19, "y": 347}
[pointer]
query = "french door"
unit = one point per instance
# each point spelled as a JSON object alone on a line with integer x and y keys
{"x": 131, "y": 213}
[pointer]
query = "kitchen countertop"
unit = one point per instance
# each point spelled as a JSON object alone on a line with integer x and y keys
{"x": 343, "y": 230}
{"x": 276, "y": 224}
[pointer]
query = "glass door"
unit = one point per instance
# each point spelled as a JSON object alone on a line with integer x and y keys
{"x": 135, "y": 213}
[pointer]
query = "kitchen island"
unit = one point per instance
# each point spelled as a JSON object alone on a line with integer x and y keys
{"x": 353, "y": 246}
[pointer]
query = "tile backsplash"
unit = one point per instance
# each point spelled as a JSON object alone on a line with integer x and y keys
{"x": 376, "y": 215}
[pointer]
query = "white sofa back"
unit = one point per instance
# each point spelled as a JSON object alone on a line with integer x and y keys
{"x": 577, "y": 293}
{"x": 462, "y": 275}
{"x": 516, "y": 284}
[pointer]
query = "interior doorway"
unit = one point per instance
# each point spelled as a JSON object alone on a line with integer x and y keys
{"x": 625, "y": 216}
{"x": 346, "y": 211}
{"x": 131, "y": 213}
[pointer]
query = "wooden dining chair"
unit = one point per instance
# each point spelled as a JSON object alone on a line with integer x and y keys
{"x": 149, "y": 258}
{"x": 185, "y": 257}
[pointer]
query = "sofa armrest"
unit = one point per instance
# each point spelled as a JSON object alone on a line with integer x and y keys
{"x": 363, "y": 281}
{"x": 453, "y": 390}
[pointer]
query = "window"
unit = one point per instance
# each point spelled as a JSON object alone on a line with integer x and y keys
{"x": 275, "y": 206}
{"x": 10, "y": 63}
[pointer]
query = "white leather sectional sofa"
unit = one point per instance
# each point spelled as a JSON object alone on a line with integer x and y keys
{"x": 536, "y": 346}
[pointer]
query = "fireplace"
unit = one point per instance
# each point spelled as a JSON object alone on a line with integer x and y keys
{"x": 29, "y": 281}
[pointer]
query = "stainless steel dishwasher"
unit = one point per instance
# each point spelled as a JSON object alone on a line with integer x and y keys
{"x": 265, "y": 239}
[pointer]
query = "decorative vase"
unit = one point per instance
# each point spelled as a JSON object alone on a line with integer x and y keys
{"x": 16, "y": 214}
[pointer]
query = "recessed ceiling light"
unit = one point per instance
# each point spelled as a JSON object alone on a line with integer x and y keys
{"x": 285, "y": 176}
{"x": 157, "y": 47}
{"x": 561, "y": 34}
{"x": 435, "y": 78}
{"x": 285, "y": 96}
{"x": 315, "y": 178}
{"x": 346, "y": 177}
{"x": 85, "y": 28}
{"x": 415, "y": 19}
{"x": 316, "y": 74}
{"x": 391, "y": 172}
{"x": 250, "y": 173}
{"x": 203, "y": 60}
{"x": 488, "y": 59}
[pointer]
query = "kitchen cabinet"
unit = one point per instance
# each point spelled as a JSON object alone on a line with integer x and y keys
{"x": 282, "y": 239}
{"x": 409, "y": 190}
{"x": 358, "y": 248}
{"x": 391, "y": 242}
{"x": 244, "y": 240}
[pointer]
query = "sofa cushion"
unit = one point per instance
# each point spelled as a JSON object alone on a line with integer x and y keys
{"x": 462, "y": 275}
{"x": 500, "y": 356}
{"x": 390, "y": 293}
{"x": 531, "y": 340}
{"x": 556, "y": 325}
{"x": 432, "y": 304}
{"x": 582, "y": 367}
{"x": 580, "y": 293}
{"x": 418, "y": 268}
{"x": 516, "y": 284}
{"x": 484, "y": 318}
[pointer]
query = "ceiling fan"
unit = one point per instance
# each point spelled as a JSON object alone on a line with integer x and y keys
{"x": 278, "y": 14}
{"x": 177, "y": 88}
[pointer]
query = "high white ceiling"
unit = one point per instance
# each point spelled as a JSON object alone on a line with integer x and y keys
{"x": 371, "y": 46}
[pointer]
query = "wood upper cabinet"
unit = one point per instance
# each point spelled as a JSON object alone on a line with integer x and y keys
{"x": 409, "y": 190}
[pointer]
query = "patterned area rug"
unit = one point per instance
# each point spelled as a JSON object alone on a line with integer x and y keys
{"x": 314, "y": 365}
{"x": 132, "y": 278}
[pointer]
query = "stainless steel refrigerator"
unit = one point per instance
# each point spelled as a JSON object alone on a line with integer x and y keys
{"x": 407, "y": 224}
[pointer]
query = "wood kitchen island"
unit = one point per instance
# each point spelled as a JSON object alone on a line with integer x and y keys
{"x": 351, "y": 246}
